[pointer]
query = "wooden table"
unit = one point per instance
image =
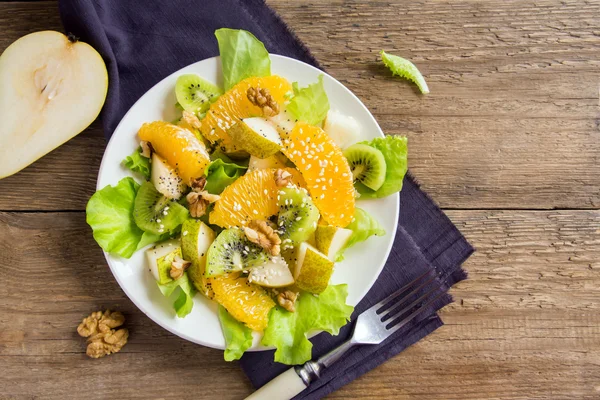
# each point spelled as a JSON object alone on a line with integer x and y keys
{"x": 508, "y": 143}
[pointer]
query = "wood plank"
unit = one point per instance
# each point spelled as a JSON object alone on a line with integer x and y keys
{"x": 512, "y": 110}
{"x": 525, "y": 325}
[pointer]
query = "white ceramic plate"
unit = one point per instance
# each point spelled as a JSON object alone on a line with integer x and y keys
{"x": 363, "y": 262}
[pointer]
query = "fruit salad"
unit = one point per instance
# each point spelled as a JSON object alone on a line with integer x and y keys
{"x": 250, "y": 199}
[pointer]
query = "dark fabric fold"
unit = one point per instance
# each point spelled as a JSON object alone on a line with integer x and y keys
{"x": 142, "y": 42}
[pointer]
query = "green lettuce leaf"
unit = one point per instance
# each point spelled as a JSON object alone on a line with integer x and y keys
{"x": 363, "y": 226}
{"x": 405, "y": 69}
{"x": 220, "y": 174}
{"x": 238, "y": 337}
{"x": 242, "y": 56}
{"x": 395, "y": 152}
{"x": 185, "y": 299}
{"x": 109, "y": 213}
{"x": 309, "y": 104}
{"x": 138, "y": 163}
{"x": 287, "y": 331}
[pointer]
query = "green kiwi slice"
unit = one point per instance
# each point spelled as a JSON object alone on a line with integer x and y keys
{"x": 154, "y": 213}
{"x": 297, "y": 218}
{"x": 231, "y": 251}
{"x": 367, "y": 165}
{"x": 194, "y": 94}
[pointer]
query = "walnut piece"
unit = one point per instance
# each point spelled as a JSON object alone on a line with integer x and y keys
{"x": 178, "y": 267}
{"x": 191, "y": 119}
{"x": 262, "y": 234}
{"x": 287, "y": 300}
{"x": 199, "y": 184}
{"x": 263, "y": 99}
{"x": 147, "y": 149}
{"x": 103, "y": 339}
{"x": 199, "y": 201}
{"x": 282, "y": 178}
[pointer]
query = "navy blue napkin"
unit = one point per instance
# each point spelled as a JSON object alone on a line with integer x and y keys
{"x": 142, "y": 42}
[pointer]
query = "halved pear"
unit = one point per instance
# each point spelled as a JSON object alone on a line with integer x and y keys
{"x": 343, "y": 129}
{"x": 284, "y": 122}
{"x": 313, "y": 269}
{"x": 257, "y": 136}
{"x": 160, "y": 257}
{"x": 274, "y": 273}
{"x": 52, "y": 88}
{"x": 165, "y": 178}
{"x": 196, "y": 238}
{"x": 330, "y": 240}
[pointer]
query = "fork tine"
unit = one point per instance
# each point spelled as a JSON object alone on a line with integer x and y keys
{"x": 401, "y": 308}
{"x": 397, "y": 324}
{"x": 417, "y": 282}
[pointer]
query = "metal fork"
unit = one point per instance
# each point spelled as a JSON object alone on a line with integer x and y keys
{"x": 373, "y": 326}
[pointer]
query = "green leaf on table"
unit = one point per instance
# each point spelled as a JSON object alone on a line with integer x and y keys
{"x": 109, "y": 213}
{"x": 309, "y": 104}
{"x": 395, "y": 152}
{"x": 242, "y": 56}
{"x": 138, "y": 163}
{"x": 287, "y": 331}
{"x": 238, "y": 337}
{"x": 405, "y": 69}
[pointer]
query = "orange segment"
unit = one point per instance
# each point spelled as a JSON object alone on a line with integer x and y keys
{"x": 234, "y": 104}
{"x": 180, "y": 147}
{"x": 325, "y": 170}
{"x": 246, "y": 302}
{"x": 253, "y": 196}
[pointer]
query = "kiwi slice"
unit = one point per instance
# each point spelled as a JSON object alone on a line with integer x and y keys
{"x": 367, "y": 165}
{"x": 195, "y": 94}
{"x": 154, "y": 213}
{"x": 298, "y": 216}
{"x": 231, "y": 251}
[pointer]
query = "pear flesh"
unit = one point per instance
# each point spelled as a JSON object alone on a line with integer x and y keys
{"x": 257, "y": 136}
{"x": 331, "y": 240}
{"x": 313, "y": 269}
{"x": 196, "y": 238}
{"x": 165, "y": 178}
{"x": 160, "y": 257}
{"x": 274, "y": 273}
{"x": 344, "y": 130}
{"x": 51, "y": 89}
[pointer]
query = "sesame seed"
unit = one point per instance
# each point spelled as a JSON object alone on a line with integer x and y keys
{"x": 255, "y": 212}
{"x": 298, "y": 218}
{"x": 185, "y": 233}
{"x": 265, "y": 191}
{"x": 159, "y": 220}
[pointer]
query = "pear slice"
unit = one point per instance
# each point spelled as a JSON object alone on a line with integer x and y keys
{"x": 160, "y": 257}
{"x": 274, "y": 273}
{"x": 344, "y": 130}
{"x": 196, "y": 238}
{"x": 313, "y": 269}
{"x": 330, "y": 240}
{"x": 257, "y": 136}
{"x": 51, "y": 89}
{"x": 264, "y": 163}
{"x": 284, "y": 122}
{"x": 165, "y": 178}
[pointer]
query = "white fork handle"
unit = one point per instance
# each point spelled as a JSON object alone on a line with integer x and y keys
{"x": 284, "y": 387}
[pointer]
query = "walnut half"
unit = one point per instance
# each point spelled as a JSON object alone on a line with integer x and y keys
{"x": 287, "y": 300}
{"x": 102, "y": 338}
{"x": 199, "y": 201}
{"x": 262, "y": 234}
{"x": 178, "y": 267}
{"x": 263, "y": 99}
{"x": 282, "y": 178}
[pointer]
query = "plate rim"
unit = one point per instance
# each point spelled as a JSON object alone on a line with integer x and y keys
{"x": 183, "y": 335}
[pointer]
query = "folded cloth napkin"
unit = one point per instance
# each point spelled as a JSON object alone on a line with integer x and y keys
{"x": 142, "y": 42}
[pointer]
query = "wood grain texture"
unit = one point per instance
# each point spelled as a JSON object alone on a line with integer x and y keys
{"x": 512, "y": 123}
{"x": 525, "y": 325}
{"x": 512, "y": 120}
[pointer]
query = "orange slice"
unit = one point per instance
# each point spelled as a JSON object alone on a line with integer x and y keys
{"x": 234, "y": 105}
{"x": 326, "y": 172}
{"x": 253, "y": 196}
{"x": 246, "y": 302}
{"x": 180, "y": 147}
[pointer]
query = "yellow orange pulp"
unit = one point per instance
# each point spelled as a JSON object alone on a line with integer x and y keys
{"x": 252, "y": 197}
{"x": 245, "y": 301}
{"x": 326, "y": 172}
{"x": 234, "y": 105}
{"x": 178, "y": 146}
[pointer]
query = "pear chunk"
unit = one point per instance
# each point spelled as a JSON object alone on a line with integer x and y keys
{"x": 331, "y": 240}
{"x": 165, "y": 178}
{"x": 196, "y": 238}
{"x": 313, "y": 269}
{"x": 51, "y": 89}
{"x": 344, "y": 130}
{"x": 257, "y": 136}
{"x": 160, "y": 257}
{"x": 274, "y": 273}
